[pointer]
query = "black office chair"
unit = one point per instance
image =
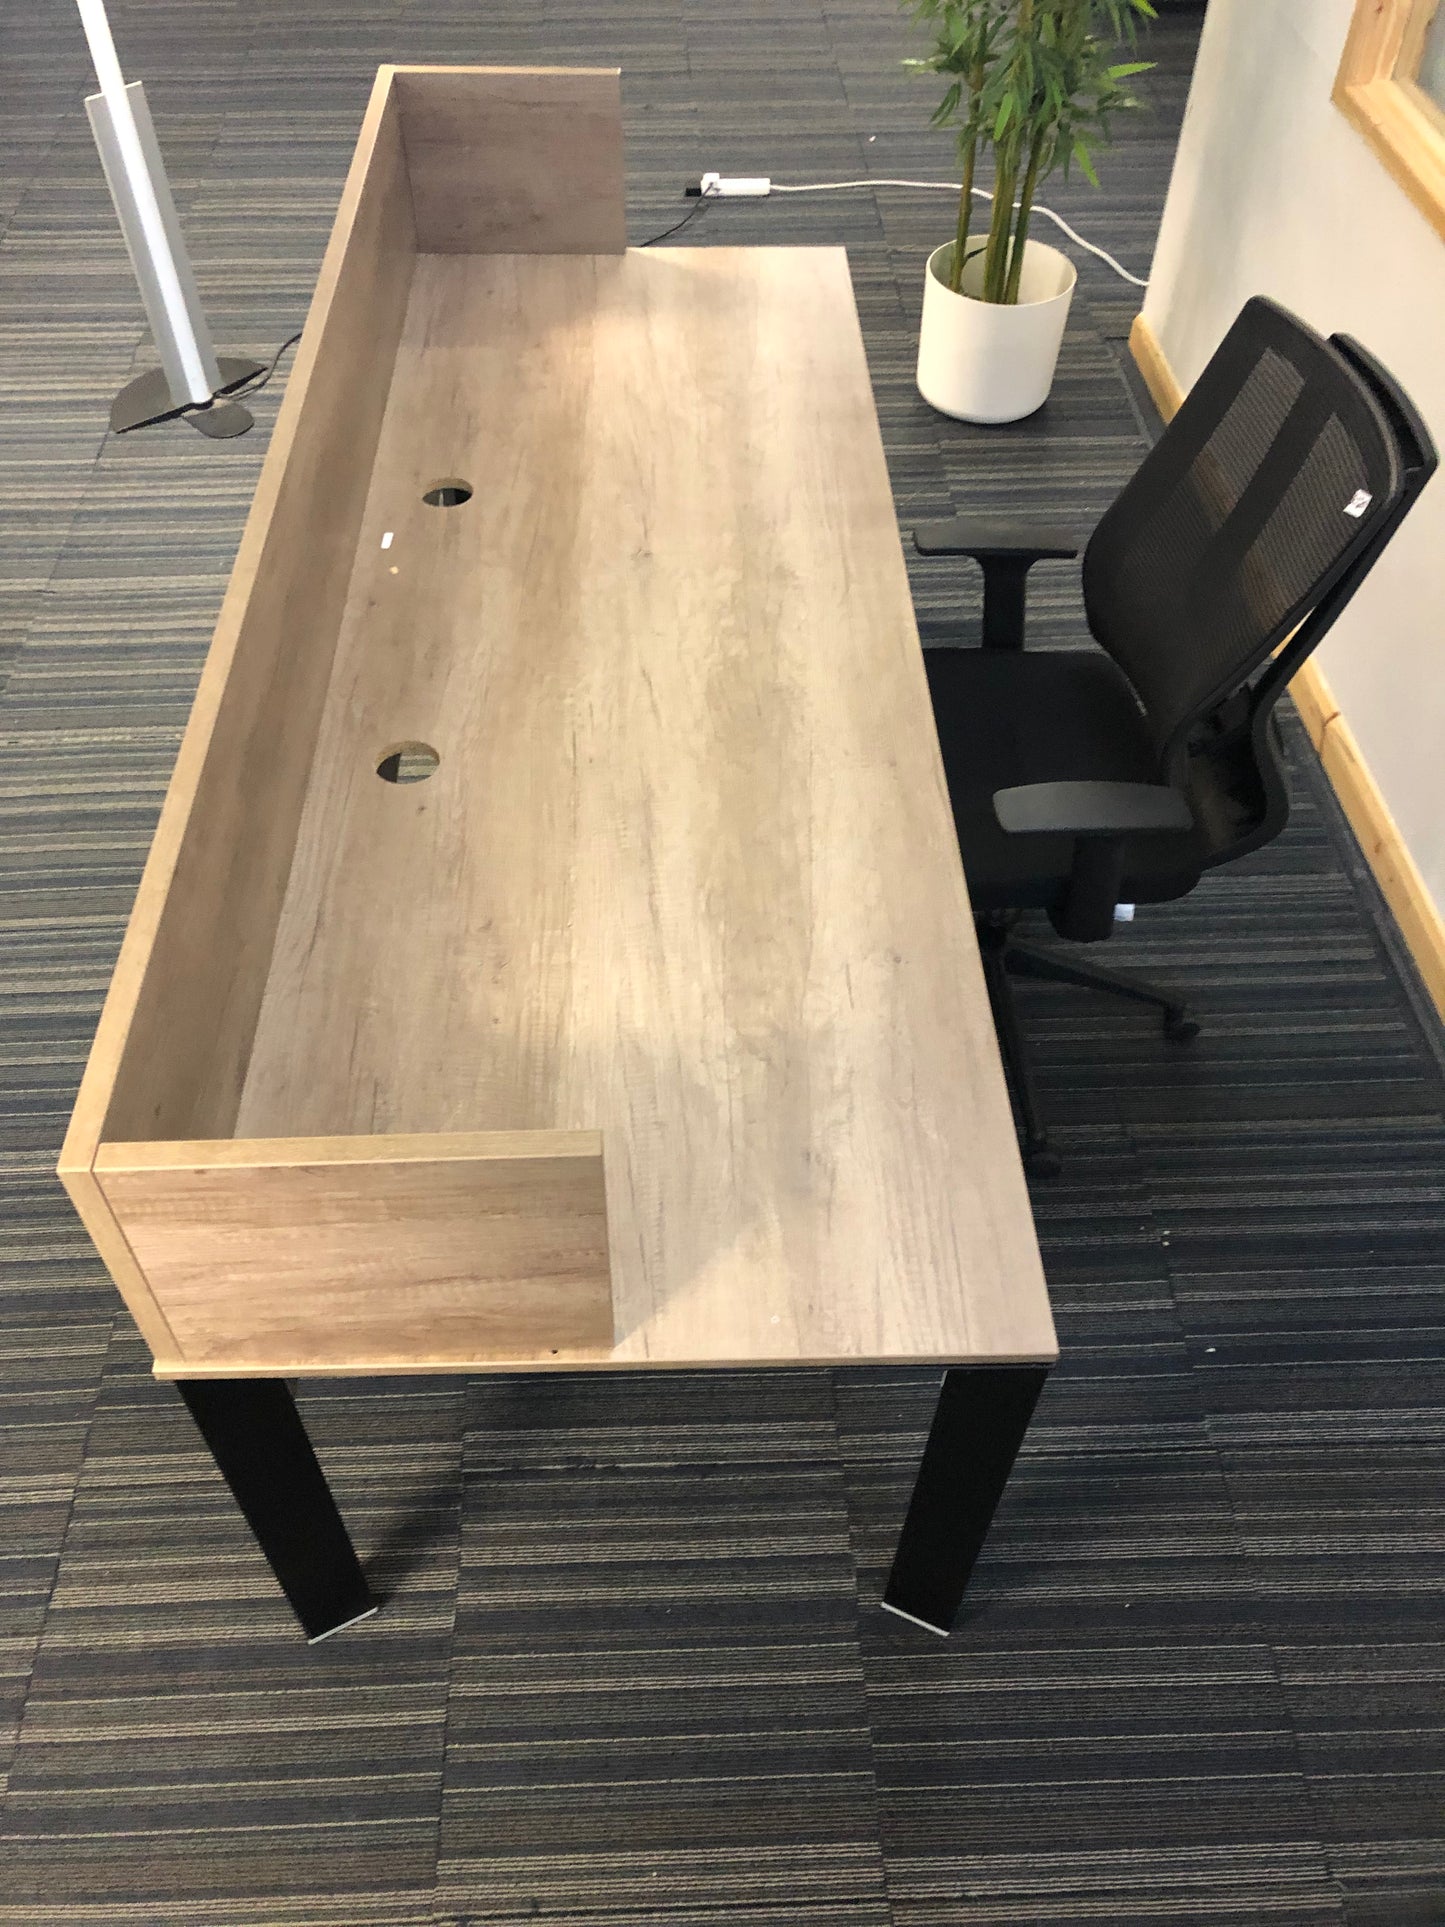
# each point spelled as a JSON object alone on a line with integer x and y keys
{"x": 1082, "y": 778}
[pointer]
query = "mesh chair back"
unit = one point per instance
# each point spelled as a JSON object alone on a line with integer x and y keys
{"x": 1268, "y": 484}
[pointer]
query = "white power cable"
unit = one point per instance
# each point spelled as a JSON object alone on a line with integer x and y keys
{"x": 951, "y": 187}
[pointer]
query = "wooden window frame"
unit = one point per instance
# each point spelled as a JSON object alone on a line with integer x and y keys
{"x": 1375, "y": 88}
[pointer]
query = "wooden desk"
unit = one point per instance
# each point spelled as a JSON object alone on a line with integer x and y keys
{"x": 649, "y": 1029}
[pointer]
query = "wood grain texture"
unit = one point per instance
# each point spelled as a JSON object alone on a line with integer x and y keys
{"x": 1375, "y": 90}
{"x": 514, "y": 160}
{"x": 171, "y": 1049}
{"x": 94, "y": 1211}
{"x": 1315, "y": 701}
{"x": 1421, "y": 13}
{"x": 1378, "y": 39}
{"x": 687, "y": 872}
{"x": 397, "y": 1251}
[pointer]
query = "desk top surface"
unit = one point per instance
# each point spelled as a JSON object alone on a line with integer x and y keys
{"x": 686, "y": 870}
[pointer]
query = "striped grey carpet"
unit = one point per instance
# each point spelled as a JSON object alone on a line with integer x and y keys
{"x": 631, "y": 1666}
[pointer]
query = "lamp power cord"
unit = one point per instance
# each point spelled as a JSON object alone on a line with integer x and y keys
{"x": 257, "y": 382}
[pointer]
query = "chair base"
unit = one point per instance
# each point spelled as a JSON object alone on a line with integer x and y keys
{"x": 1003, "y": 958}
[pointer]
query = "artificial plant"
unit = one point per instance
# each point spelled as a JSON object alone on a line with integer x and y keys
{"x": 1035, "y": 81}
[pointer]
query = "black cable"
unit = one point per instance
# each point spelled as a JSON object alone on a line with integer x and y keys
{"x": 677, "y": 226}
{"x": 257, "y": 382}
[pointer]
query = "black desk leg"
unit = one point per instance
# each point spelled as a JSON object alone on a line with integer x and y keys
{"x": 983, "y": 1413}
{"x": 260, "y": 1445}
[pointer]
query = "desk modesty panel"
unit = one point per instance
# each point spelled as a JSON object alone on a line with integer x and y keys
{"x": 649, "y": 1028}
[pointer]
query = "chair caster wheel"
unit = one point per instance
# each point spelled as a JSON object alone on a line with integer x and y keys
{"x": 1041, "y": 1162}
{"x": 1179, "y": 1026}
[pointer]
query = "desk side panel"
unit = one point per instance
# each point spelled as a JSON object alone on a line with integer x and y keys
{"x": 174, "y": 1039}
{"x": 308, "y": 1254}
{"x": 119, "y": 1260}
{"x": 515, "y": 160}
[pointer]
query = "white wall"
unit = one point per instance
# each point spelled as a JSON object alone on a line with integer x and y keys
{"x": 1274, "y": 192}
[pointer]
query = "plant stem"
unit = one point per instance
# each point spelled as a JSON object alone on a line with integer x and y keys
{"x": 1006, "y": 160}
{"x": 970, "y": 160}
{"x": 1026, "y": 203}
{"x": 965, "y": 208}
{"x": 1006, "y": 173}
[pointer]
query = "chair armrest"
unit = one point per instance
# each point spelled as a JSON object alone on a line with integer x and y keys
{"x": 994, "y": 536}
{"x": 1092, "y": 809}
{"x": 1006, "y": 550}
{"x": 1101, "y": 817}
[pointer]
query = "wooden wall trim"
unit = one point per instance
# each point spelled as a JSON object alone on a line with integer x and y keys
{"x": 1159, "y": 377}
{"x": 1315, "y": 701}
{"x": 1396, "y": 871}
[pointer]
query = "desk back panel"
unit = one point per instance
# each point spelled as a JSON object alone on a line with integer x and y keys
{"x": 514, "y": 160}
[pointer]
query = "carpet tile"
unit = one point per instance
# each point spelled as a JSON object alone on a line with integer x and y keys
{"x": 631, "y": 1666}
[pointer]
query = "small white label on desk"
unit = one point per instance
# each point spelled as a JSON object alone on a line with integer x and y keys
{"x": 386, "y": 539}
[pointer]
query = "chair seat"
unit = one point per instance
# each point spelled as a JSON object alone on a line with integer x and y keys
{"x": 1009, "y": 716}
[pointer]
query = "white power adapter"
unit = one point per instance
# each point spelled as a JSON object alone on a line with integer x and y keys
{"x": 740, "y": 187}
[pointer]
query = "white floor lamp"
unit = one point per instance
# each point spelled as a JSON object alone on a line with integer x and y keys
{"x": 192, "y": 380}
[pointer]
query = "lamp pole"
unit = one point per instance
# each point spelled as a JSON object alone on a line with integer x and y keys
{"x": 191, "y": 378}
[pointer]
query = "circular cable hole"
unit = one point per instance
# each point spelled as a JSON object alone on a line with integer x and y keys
{"x": 408, "y": 763}
{"x": 448, "y": 495}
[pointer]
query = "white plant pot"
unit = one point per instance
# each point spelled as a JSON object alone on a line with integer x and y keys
{"x": 982, "y": 361}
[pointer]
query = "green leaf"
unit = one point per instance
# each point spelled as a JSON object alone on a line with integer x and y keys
{"x": 1032, "y": 79}
{"x": 946, "y": 106}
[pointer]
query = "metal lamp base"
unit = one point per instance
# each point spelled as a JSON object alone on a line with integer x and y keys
{"x": 147, "y": 399}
